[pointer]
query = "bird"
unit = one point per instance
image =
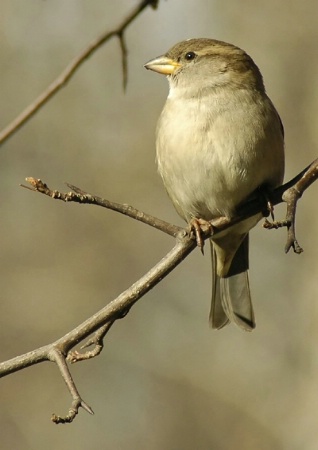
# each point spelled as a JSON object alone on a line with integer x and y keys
{"x": 219, "y": 143}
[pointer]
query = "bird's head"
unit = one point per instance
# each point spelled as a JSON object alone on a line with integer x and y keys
{"x": 200, "y": 64}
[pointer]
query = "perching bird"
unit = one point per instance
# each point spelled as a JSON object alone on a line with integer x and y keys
{"x": 219, "y": 140}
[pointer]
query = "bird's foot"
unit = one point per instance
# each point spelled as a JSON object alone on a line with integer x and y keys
{"x": 270, "y": 212}
{"x": 199, "y": 227}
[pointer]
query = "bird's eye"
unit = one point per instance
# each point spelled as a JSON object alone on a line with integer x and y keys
{"x": 190, "y": 55}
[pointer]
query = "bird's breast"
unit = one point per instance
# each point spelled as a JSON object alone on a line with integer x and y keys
{"x": 212, "y": 153}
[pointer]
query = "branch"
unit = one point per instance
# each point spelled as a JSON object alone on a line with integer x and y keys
{"x": 79, "y": 196}
{"x": 100, "y": 323}
{"x": 57, "y": 357}
{"x": 73, "y": 66}
{"x": 57, "y": 351}
{"x": 291, "y": 197}
{"x": 97, "y": 340}
{"x": 285, "y": 193}
{"x": 290, "y": 193}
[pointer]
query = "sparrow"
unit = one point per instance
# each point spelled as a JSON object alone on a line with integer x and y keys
{"x": 219, "y": 141}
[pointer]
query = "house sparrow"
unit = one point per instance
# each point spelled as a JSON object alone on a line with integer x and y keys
{"x": 219, "y": 139}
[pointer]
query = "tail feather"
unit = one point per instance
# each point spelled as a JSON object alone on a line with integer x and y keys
{"x": 218, "y": 318}
{"x": 231, "y": 298}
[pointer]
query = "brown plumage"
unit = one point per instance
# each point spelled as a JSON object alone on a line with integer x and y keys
{"x": 219, "y": 139}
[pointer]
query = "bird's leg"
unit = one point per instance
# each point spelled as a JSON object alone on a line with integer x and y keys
{"x": 199, "y": 228}
{"x": 274, "y": 224}
{"x": 264, "y": 193}
{"x": 270, "y": 209}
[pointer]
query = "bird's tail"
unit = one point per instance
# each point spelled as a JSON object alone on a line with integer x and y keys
{"x": 231, "y": 297}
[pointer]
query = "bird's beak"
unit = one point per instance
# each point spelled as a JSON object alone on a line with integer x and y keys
{"x": 163, "y": 64}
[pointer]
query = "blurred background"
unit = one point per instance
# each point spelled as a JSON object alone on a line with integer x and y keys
{"x": 164, "y": 380}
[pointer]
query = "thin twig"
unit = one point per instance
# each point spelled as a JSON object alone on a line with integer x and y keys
{"x": 79, "y": 196}
{"x": 97, "y": 340}
{"x": 124, "y": 60}
{"x": 73, "y": 66}
{"x": 291, "y": 197}
{"x": 57, "y": 357}
{"x": 290, "y": 192}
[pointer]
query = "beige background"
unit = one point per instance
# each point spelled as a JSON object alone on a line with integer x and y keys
{"x": 164, "y": 380}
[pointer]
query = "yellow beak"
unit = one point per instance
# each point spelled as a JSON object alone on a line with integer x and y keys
{"x": 163, "y": 65}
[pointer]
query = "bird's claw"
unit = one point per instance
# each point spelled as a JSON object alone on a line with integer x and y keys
{"x": 199, "y": 228}
{"x": 265, "y": 194}
{"x": 270, "y": 208}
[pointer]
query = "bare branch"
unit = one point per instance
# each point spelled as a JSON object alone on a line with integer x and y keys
{"x": 60, "y": 351}
{"x": 57, "y": 357}
{"x": 73, "y": 66}
{"x": 124, "y": 63}
{"x": 291, "y": 197}
{"x": 116, "y": 309}
{"x": 79, "y": 196}
{"x": 293, "y": 190}
{"x": 97, "y": 340}
{"x": 290, "y": 192}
